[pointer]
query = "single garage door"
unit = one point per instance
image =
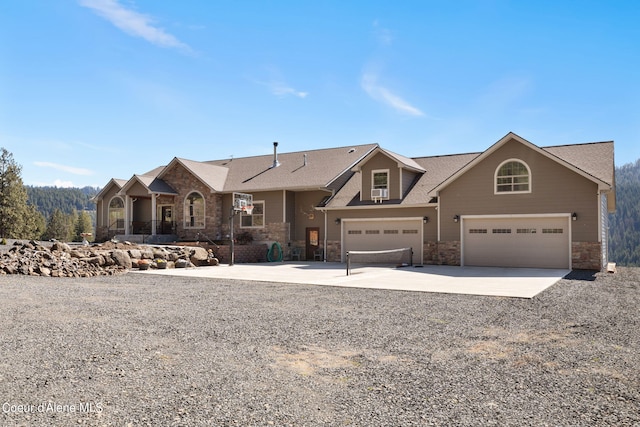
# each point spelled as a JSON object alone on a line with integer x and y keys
{"x": 375, "y": 235}
{"x": 541, "y": 242}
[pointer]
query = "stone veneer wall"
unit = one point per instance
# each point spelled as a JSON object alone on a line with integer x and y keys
{"x": 243, "y": 253}
{"x": 183, "y": 182}
{"x": 586, "y": 255}
{"x": 441, "y": 253}
{"x": 334, "y": 250}
{"x": 272, "y": 232}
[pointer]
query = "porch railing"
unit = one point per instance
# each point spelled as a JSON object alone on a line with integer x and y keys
{"x": 141, "y": 227}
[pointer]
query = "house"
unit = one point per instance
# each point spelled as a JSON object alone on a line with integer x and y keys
{"x": 515, "y": 204}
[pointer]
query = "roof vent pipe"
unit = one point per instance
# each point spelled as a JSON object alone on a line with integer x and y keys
{"x": 305, "y": 159}
{"x": 276, "y": 163}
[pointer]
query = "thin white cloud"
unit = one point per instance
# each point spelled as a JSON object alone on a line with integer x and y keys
{"x": 277, "y": 85}
{"x": 56, "y": 183}
{"x": 62, "y": 184}
{"x": 103, "y": 148}
{"x": 369, "y": 83}
{"x": 282, "y": 89}
{"x": 133, "y": 23}
{"x": 64, "y": 168}
{"x": 383, "y": 35}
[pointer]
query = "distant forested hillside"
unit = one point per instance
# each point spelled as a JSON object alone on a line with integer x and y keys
{"x": 48, "y": 199}
{"x": 624, "y": 224}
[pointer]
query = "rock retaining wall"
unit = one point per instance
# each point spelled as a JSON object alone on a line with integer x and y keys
{"x": 63, "y": 260}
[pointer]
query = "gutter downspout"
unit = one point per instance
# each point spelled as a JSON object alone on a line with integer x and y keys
{"x": 324, "y": 252}
{"x": 438, "y": 211}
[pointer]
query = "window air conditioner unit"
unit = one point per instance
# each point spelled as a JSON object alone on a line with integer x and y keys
{"x": 377, "y": 194}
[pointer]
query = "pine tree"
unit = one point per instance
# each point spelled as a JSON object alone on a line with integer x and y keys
{"x": 83, "y": 225}
{"x": 18, "y": 219}
{"x": 59, "y": 227}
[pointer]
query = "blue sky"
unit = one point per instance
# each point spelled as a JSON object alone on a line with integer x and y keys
{"x": 95, "y": 89}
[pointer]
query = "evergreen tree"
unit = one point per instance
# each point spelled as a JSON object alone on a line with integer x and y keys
{"x": 83, "y": 225}
{"x": 17, "y": 218}
{"x": 624, "y": 224}
{"x": 35, "y": 224}
{"x": 59, "y": 226}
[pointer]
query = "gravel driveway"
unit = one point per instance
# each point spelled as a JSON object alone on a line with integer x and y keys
{"x": 160, "y": 350}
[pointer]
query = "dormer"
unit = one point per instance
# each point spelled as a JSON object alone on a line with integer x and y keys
{"x": 386, "y": 176}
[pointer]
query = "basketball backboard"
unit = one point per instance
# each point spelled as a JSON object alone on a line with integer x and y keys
{"x": 241, "y": 201}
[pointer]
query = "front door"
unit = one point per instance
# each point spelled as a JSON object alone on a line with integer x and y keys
{"x": 166, "y": 220}
{"x": 312, "y": 242}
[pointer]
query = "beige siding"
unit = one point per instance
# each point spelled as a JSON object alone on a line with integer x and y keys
{"x": 380, "y": 161}
{"x": 407, "y": 179}
{"x": 100, "y": 213}
{"x": 290, "y": 197}
{"x": 555, "y": 189}
{"x": 306, "y": 215}
{"x": 273, "y": 204}
{"x": 137, "y": 189}
{"x": 102, "y": 209}
{"x": 142, "y": 210}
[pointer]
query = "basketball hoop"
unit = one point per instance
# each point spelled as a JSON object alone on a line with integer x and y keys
{"x": 247, "y": 209}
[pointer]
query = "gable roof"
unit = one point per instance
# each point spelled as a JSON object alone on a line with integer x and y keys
{"x": 404, "y": 162}
{"x": 118, "y": 183}
{"x": 573, "y": 153}
{"x": 591, "y": 160}
{"x": 334, "y": 169}
{"x": 150, "y": 183}
{"x": 437, "y": 169}
{"x": 212, "y": 176}
{"x": 297, "y": 171}
{"x": 594, "y": 158}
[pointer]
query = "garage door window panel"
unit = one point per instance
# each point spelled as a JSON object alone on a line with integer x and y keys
{"x": 513, "y": 176}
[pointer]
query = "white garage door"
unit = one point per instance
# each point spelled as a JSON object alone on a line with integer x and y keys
{"x": 374, "y": 235}
{"x": 541, "y": 242}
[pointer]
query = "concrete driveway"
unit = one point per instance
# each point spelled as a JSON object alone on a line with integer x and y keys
{"x": 494, "y": 281}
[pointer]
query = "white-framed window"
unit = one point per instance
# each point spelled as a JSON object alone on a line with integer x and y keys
{"x": 380, "y": 184}
{"x": 116, "y": 213}
{"x": 513, "y": 176}
{"x": 194, "y": 210}
{"x": 256, "y": 219}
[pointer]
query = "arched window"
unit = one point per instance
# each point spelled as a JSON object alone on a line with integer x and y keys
{"x": 513, "y": 176}
{"x": 116, "y": 213}
{"x": 194, "y": 211}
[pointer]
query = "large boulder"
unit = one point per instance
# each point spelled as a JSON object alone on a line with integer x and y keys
{"x": 198, "y": 256}
{"x": 121, "y": 258}
{"x": 60, "y": 246}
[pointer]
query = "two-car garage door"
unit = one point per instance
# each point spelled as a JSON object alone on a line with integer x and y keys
{"x": 540, "y": 242}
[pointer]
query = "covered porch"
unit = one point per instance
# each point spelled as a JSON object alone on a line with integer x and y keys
{"x": 148, "y": 211}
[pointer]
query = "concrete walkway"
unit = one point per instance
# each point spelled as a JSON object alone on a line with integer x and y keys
{"x": 494, "y": 281}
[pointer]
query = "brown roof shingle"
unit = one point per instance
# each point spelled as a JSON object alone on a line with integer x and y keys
{"x": 322, "y": 166}
{"x": 594, "y": 158}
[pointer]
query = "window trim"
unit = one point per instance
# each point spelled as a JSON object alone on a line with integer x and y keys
{"x": 187, "y": 218}
{"x": 109, "y": 209}
{"x": 387, "y": 187}
{"x": 244, "y": 215}
{"x": 495, "y": 178}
